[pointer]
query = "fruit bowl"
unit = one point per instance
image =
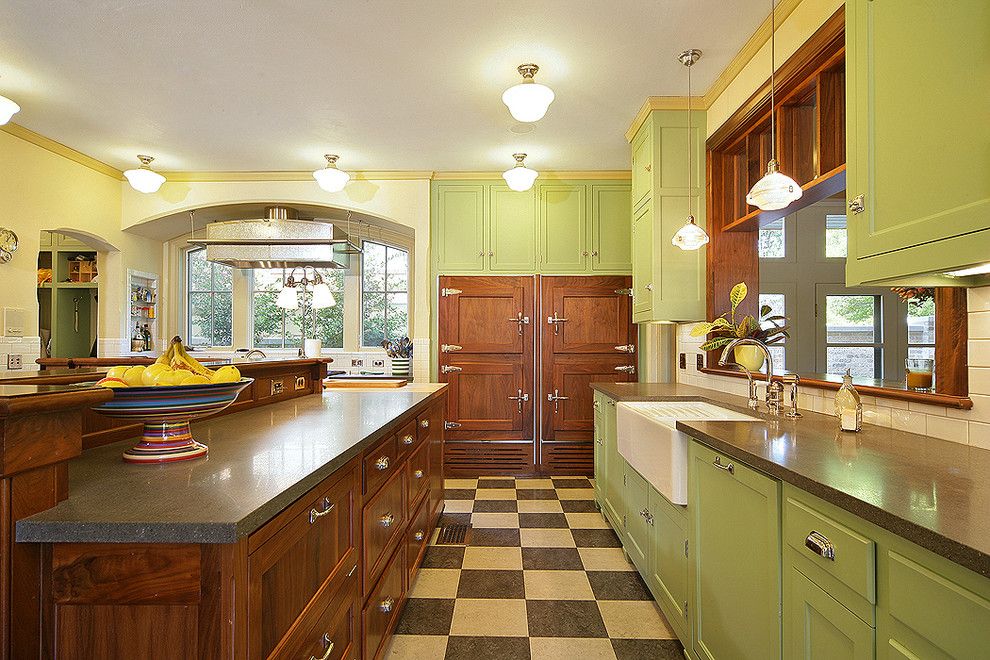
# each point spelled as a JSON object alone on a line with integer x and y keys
{"x": 166, "y": 413}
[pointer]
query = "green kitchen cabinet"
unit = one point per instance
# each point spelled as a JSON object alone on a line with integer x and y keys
{"x": 918, "y": 175}
{"x": 563, "y": 228}
{"x": 639, "y": 520}
{"x": 668, "y": 576}
{"x": 734, "y": 525}
{"x": 601, "y": 458}
{"x": 512, "y": 230}
{"x": 459, "y": 222}
{"x": 612, "y": 470}
{"x": 609, "y": 228}
{"x": 642, "y": 165}
{"x": 642, "y": 263}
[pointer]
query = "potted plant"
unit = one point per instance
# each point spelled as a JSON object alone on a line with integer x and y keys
{"x": 769, "y": 329}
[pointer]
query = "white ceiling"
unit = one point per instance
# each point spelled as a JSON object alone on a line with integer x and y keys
{"x": 387, "y": 84}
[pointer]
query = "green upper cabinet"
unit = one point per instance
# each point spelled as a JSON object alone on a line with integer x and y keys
{"x": 917, "y": 138}
{"x": 512, "y": 230}
{"x": 563, "y": 222}
{"x": 673, "y": 279}
{"x": 609, "y": 230}
{"x": 459, "y": 226}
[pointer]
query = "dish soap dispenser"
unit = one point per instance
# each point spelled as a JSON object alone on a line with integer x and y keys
{"x": 848, "y": 407}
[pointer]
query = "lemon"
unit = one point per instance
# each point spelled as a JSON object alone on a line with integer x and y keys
{"x": 117, "y": 372}
{"x": 134, "y": 376}
{"x": 227, "y": 374}
{"x": 169, "y": 377}
{"x": 111, "y": 382}
{"x": 148, "y": 379}
{"x": 195, "y": 379}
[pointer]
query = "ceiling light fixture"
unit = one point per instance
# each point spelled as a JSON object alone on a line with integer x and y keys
{"x": 143, "y": 179}
{"x": 519, "y": 177}
{"x": 7, "y": 109}
{"x": 288, "y": 296}
{"x": 330, "y": 178}
{"x": 528, "y": 101}
{"x": 775, "y": 190}
{"x": 690, "y": 236}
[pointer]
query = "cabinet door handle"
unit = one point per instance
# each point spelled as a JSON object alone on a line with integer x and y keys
{"x": 819, "y": 544}
{"x": 386, "y": 605}
{"x": 314, "y": 515}
{"x": 728, "y": 467}
{"x": 382, "y": 463}
{"x": 418, "y": 474}
{"x": 481, "y": 254}
{"x": 419, "y": 535}
{"x": 649, "y": 287}
{"x": 387, "y": 520}
{"x": 594, "y": 253}
{"x": 424, "y": 423}
{"x": 649, "y": 167}
{"x": 857, "y": 204}
{"x": 328, "y": 644}
{"x": 584, "y": 253}
{"x": 407, "y": 439}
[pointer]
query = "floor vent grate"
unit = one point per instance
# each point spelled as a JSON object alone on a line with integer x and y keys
{"x": 453, "y": 534}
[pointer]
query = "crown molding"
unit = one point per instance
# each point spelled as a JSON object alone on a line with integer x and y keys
{"x": 662, "y": 103}
{"x": 290, "y": 175}
{"x": 562, "y": 175}
{"x": 60, "y": 149}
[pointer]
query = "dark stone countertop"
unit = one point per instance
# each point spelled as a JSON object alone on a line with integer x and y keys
{"x": 260, "y": 461}
{"x": 932, "y": 492}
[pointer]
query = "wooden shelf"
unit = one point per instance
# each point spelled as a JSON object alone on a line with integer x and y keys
{"x": 816, "y": 190}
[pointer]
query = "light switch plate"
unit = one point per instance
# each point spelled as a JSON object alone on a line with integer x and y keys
{"x": 683, "y": 361}
{"x": 357, "y": 362}
{"x": 700, "y": 361}
{"x": 15, "y": 361}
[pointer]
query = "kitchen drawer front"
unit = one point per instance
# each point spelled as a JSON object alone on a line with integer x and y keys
{"x": 330, "y": 631}
{"x": 380, "y": 463}
{"x": 382, "y": 609}
{"x": 292, "y": 565}
{"x": 384, "y": 521}
{"x": 430, "y": 422}
{"x": 818, "y": 536}
{"x": 417, "y": 537}
{"x": 418, "y": 468}
{"x": 408, "y": 439}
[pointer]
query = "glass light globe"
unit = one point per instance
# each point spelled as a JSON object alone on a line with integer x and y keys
{"x": 690, "y": 236}
{"x": 7, "y": 109}
{"x": 528, "y": 101}
{"x": 288, "y": 298}
{"x": 774, "y": 191}
{"x": 330, "y": 178}
{"x": 143, "y": 179}
{"x": 322, "y": 297}
{"x": 520, "y": 178}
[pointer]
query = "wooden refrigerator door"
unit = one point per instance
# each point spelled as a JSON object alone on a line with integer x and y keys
{"x": 587, "y": 336}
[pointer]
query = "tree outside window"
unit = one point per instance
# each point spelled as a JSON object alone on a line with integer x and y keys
{"x": 208, "y": 295}
{"x": 274, "y": 327}
{"x": 384, "y": 293}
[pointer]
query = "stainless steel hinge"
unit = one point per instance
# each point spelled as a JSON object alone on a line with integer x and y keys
{"x": 623, "y": 520}
{"x": 451, "y": 425}
{"x": 685, "y": 547}
{"x": 446, "y": 370}
{"x": 623, "y": 480}
{"x": 624, "y": 292}
{"x": 449, "y": 292}
{"x": 629, "y": 369}
{"x": 450, "y": 348}
{"x": 685, "y": 609}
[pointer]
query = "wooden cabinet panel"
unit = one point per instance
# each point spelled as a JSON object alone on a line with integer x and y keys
{"x": 418, "y": 477}
{"x": 459, "y": 217}
{"x": 417, "y": 538}
{"x": 482, "y": 316}
{"x": 609, "y": 228}
{"x": 598, "y": 318}
{"x": 407, "y": 439}
{"x": 512, "y": 231}
{"x": 384, "y": 520}
{"x": 328, "y": 631}
{"x": 431, "y": 431}
{"x": 380, "y": 463}
{"x": 563, "y": 248}
{"x": 381, "y": 612}
{"x": 479, "y": 395}
{"x": 571, "y": 376}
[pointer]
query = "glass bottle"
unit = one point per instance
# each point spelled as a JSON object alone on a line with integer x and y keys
{"x": 848, "y": 407}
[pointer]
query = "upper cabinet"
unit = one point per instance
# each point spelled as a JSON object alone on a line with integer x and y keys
{"x": 668, "y": 283}
{"x": 917, "y": 139}
{"x": 555, "y": 227}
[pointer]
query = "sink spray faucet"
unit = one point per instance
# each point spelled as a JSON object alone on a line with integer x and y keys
{"x": 775, "y": 391}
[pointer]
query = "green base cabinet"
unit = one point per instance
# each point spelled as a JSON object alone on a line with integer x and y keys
{"x": 668, "y": 576}
{"x": 918, "y": 176}
{"x": 735, "y": 543}
{"x": 610, "y": 473}
{"x": 639, "y": 520}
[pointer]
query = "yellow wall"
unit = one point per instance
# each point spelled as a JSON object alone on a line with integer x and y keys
{"x": 42, "y": 190}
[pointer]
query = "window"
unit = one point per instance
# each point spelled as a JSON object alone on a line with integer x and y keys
{"x": 921, "y": 329}
{"x": 384, "y": 293}
{"x": 835, "y": 236}
{"x": 853, "y": 335}
{"x": 208, "y": 296}
{"x": 274, "y": 327}
{"x": 776, "y": 302}
{"x": 772, "y": 241}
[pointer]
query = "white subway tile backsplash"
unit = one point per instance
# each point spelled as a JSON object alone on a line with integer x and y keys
{"x": 979, "y": 325}
{"x": 979, "y": 380}
{"x": 979, "y": 435}
{"x": 928, "y": 409}
{"x": 956, "y": 430}
{"x": 877, "y": 415}
{"x": 978, "y": 299}
{"x": 906, "y": 420}
{"x": 978, "y": 352}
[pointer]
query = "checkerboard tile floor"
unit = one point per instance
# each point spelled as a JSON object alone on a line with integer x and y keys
{"x": 543, "y": 577}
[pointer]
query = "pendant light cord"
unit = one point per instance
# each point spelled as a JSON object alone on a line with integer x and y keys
{"x": 690, "y": 63}
{"x": 773, "y": 71}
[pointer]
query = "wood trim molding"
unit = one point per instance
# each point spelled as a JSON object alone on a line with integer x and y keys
{"x": 60, "y": 149}
{"x": 561, "y": 175}
{"x": 951, "y": 341}
{"x": 662, "y": 103}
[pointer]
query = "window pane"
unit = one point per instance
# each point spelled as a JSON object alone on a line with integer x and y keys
{"x": 373, "y": 267}
{"x": 267, "y": 320}
{"x": 849, "y": 320}
{"x": 772, "y": 240}
{"x": 921, "y": 322}
{"x": 267, "y": 279}
{"x": 397, "y": 270}
{"x": 293, "y": 328}
{"x": 779, "y": 361}
{"x": 373, "y": 314}
{"x": 200, "y": 319}
{"x": 860, "y": 360}
{"x": 200, "y": 272}
{"x": 222, "y": 319}
{"x": 926, "y": 352}
{"x": 775, "y": 301}
{"x": 329, "y": 326}
{"x": 397, "y": 315}
{"x": 835, "y": 236}
{"x": 222, "y": 276}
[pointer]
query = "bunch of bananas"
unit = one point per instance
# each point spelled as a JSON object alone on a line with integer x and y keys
{"x": 173, "y": 367}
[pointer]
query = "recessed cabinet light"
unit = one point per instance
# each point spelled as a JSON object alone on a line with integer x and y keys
{"x": 520, "y": 178}
{"x": 330, "y": 178}
{"x": 982, "y": 269}
{"x": 143, "y": 179}
{"x": 528, "y": 101}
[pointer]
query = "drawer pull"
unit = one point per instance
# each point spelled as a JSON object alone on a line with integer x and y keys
{"x": 327, "y": 508}
{"x": 407, "y": 440}
{"x": 328, "y": 643}
{"x": 424, "y": 423}
{"x": 728, "y": 467}
{"x": 418, "y": 474}
{"x": 820, "y": 545}
{"x": 419, "y": 535}
{"x": 382, "y": 463}
{"x": 387, "y": 520}
{"x": 386, "y": 605}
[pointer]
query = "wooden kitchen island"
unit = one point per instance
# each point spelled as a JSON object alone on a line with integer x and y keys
{"x": 297, "y": 536}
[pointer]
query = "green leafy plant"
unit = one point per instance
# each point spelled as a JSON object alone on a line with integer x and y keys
{"x": 769, "y": 328}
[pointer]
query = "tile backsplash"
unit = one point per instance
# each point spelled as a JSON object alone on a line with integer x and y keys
{"x": 965, "y": 426}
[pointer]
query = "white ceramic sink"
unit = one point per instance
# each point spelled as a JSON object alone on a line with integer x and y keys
{"x": 651, "y": 444}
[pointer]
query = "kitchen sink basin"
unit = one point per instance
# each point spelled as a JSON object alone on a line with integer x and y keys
{"x": 651, "y": 444}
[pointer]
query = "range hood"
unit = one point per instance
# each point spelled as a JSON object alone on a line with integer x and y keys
{"x": 279, "y": 240}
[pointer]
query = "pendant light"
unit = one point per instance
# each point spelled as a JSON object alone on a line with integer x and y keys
{"x": 143, "y": 179}
{"x": 690, "y": 236}
{"x": 528, "y": 101}
{"x": 519, "y": 177}
{"x": 775, "y": 190}
{"x": 330, "y": 178}
{"x": 7, "y": 109}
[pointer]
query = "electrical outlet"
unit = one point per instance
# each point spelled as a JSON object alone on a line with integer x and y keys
{"x": 357, "y": 362}
{"x": 15, "y": 361}
{"x": 277, "y": 387}
{"x": 683, "y": 361}
{"x": 300, "y": 382}
{"x": 700, "y": 361}
{"x": 378, "y": 363}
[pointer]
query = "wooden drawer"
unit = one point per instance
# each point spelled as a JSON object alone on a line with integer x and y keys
{"x": 380, "y": 463}
{"x": 852, "y": 559}
{"x": 417, "y": 537}
{"x": 295, "y": 555}
{"x": 408, "y": 439}
{"x": 381, "y": 611}
{"x": 430, "y": 425}
{"x": 385, "y": 520}
{"x": 418, "y": 469}
{"x": 328, "y": 631}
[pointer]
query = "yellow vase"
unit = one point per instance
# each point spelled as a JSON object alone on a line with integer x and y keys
{"x": 751, "y": 357}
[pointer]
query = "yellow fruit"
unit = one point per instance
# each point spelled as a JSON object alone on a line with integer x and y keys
{"x": 117, "y": 372}
{"x": 166, "y": 378}
{"x": 111, "y": 382}
{"x": 151, "y": 372}
{"x": 227, "y": 374}
{"x": 133, "y": 376}
{"x": 195, "y": 379}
